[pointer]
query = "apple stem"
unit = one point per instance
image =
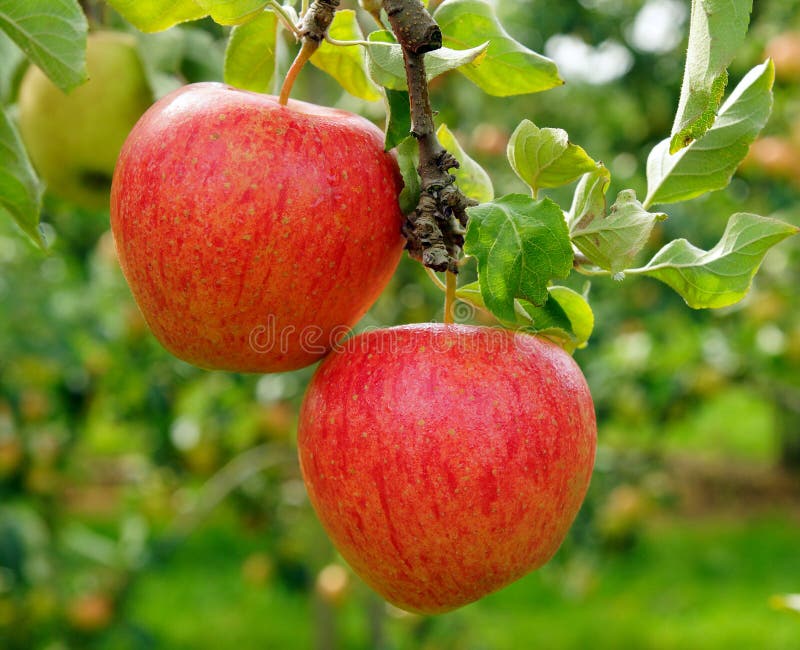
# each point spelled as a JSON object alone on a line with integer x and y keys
{"x": 312, "y": 30}
{"x": 305, "y": 53}
{"x": 450, "y": 298}
{"x": 435, "y": 230}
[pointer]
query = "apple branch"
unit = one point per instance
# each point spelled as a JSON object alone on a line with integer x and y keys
{"x": 435, "y": 229}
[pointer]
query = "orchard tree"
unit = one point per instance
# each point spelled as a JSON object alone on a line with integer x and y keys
{"x": 444, "y": 460}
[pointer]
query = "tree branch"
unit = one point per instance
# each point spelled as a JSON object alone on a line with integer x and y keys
{"x": 435, "y": 229}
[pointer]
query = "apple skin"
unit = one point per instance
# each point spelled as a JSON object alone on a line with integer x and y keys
{"x": 254, "y": 235}
{"x": 74, "y": 139}
{"x": 446, "y": 461}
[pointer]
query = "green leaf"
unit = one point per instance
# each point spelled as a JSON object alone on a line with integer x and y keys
{"x": 232, "y": 12}
{"x": 20, "y": 189}
{"x": 11, "y": 58}
{"x": 53, "y": 35}
{"x": 717, "y": 31}
{"x": 250, "y": 55}
{"x": 386, "y": 67}
{"x": 508, "y": 67}
{"x": 157, "y": 15}
{"x": 398, "y": 117}
{"x": 589, "y": 199}
{"x": 612, "y": 241}
{"x": 708, "y": 163}
{"x": 566, "y": 317}
{"x": 520, "y": 245}
{"x": 546, "y": 157}
{"x": 722, "y": 275}
{"x": 471, "y": 178}
{"x": 408, "y": 159}
{"x": 346, "y": 64}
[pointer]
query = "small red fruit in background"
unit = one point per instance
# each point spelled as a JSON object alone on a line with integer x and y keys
{"x": 446, "y": 461}
{"x": 252, "y": 235}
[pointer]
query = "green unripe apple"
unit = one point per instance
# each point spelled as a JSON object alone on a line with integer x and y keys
{"x": 74, "y": 139}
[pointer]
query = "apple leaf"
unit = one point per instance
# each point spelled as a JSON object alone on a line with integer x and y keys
{"x": 11, "y": 58}
{"x": 589, "y": 199}
{"x": 232, "y": 12}
{"x": 546, "y": 157}
{"x": 721, "y": 276}
{"x": 521, "y": 245}
{"x": 565, "y": 317}
{"x": 612, "y": 241}
{"x": 708, "y": 163}
{"x": 346, "y": 64}
{"x": 386, "y": 67}
{"x": 508, "y": 67}
{"x": 407, "y": 160}
{"x": 398, "y": 117}
{"x": 20, "y": 189}
{"x": 471, "y": 178}
{"x": 52, "y": 33}
{"x": 717, "y": 31}
{"x": 157, "y": 15}
{"x": 250, "y": 55}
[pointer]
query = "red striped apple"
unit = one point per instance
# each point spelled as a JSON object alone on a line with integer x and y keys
{"x": 252, "y": 234}
{"x": 446, "y": 461}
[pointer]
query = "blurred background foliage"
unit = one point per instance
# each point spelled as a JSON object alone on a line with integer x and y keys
{"x": 147, "y": 504}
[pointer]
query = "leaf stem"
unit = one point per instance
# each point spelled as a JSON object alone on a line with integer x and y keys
{"x": 335, "y": 41}
{"x": 285, "y": 18}
{"x": 450, "y": 298}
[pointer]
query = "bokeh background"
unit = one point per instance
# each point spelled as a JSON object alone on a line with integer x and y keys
{"x": 147, "y": 504}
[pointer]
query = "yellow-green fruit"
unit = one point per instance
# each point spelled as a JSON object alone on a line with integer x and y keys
{"x": 74, "y": 139}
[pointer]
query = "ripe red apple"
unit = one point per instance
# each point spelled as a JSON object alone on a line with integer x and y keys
{"x": 252, "y": 234}
{"x": 446, "y": 461}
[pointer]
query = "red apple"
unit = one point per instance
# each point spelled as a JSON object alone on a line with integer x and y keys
{"x": 252, "y": 234}
{"x": 446, "y": 461}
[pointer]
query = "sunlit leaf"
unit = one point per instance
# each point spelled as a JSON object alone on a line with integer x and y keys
{"x": 52, "y": 33}
{"x": 346, "y": 64}
{"x": 387, "y": 69}
{"x": 250, "y": 55}
{"x": 545, "y": 157}
{"x": 716, "y": 32}
{"x": 157, "y": 15}
{"x": 612, "y": 241}
{"x": 20, "y": 189}
{"x": 708, "y": 163}
{"x": 471, "y": 178}
{"x": 520, "y": 245}
{"x": 508, "y": 67}
{"x": 589, "y": 199}
{"x": 232, "y": 12}
{"x": 565, "y": 317}
{"x": 722, "y": 275}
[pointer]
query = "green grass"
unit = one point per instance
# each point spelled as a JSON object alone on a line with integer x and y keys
{"x": 687, "y": 584}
